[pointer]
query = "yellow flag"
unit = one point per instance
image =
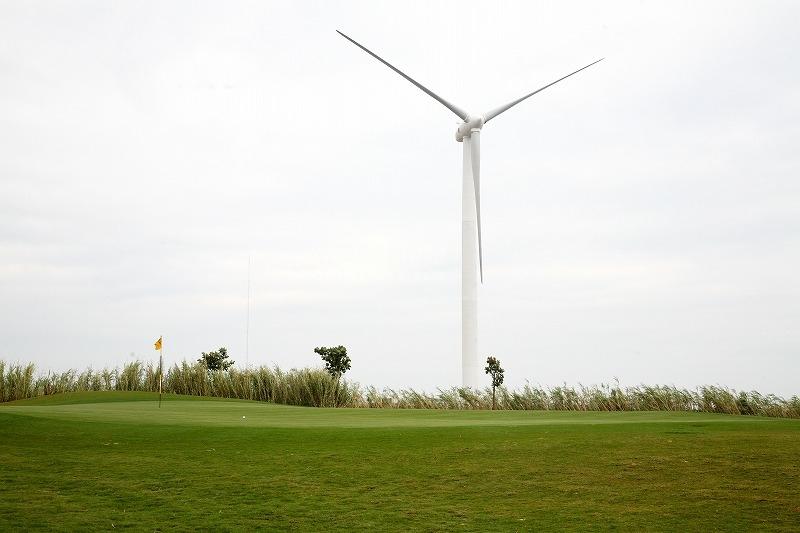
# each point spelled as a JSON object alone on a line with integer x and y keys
{"x": 158, "y": 344}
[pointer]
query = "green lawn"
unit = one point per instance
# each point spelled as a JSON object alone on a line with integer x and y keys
{"x": 114, "y": 460}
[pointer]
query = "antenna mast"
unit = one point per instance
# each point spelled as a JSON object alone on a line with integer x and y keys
{"x": 247, "y": 327}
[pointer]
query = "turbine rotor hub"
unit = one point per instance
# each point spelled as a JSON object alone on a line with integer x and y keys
{"x": 465, "y": 129}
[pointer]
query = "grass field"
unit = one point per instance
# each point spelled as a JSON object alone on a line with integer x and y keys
{"x": 114, "y": 460}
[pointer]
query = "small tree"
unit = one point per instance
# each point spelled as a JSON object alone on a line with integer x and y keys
{"x": 337, "y": 362}
{"x": 493, "y": 369}
{"x": 216, "y": 360}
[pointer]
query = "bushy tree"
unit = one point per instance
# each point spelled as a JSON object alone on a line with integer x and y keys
{"x": 496, "y": 372}
{"x": 337, "y": 362}
{"x": 216, "y": 360}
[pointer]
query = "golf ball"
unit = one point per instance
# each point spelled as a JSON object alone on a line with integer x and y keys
{"x": 243, "y": 417}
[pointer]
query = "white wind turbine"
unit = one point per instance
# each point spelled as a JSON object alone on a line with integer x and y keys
{"x": 471, "y": 248}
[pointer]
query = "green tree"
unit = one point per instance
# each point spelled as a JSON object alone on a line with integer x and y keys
{"x": 216, "y": 360}
{"x": 337, "y": 362}
{"x": 496, "y": 372}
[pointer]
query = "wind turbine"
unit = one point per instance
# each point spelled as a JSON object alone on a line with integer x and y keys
{"x": 468, "y": 133}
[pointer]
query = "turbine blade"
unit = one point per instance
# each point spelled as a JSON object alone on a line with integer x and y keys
{"x": 491, "y": 114}
{"x": 475, "y": 155}
{"x": 455, "y": 109}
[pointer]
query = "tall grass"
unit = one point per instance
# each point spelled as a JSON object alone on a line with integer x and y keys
{"x": 316, "y": 388}
{"x": 305, "y": 387}
{"x": 17, "y": 381}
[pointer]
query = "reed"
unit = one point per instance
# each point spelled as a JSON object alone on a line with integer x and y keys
{"x": 313, "y": 387}
{"x": 17, "y": 381}
{"x": 131, "y": 377}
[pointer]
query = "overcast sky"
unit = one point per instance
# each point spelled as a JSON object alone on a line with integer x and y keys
{"x": 641, "y": 220}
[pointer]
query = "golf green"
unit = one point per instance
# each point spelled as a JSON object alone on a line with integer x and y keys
{"x": 117, "y": 460}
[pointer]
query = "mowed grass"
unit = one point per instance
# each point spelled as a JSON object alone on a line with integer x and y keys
{"x": 115, "y": 460}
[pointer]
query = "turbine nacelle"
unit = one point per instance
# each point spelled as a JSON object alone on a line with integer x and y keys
{"x": 465, "y": 129}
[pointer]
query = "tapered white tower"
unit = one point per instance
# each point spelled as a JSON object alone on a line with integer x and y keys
{"x": 468, "y": 133}
{"x": 469, "y": 273}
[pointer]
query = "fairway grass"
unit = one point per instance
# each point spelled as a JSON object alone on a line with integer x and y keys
{"x": 115, "y": 460}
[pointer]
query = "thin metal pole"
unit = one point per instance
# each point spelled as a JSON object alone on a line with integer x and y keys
{"x": 247, "y": 327}
{"x": 160, "y": 370}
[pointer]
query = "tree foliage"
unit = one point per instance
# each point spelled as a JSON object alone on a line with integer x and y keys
{"x": 337, "y": 362}
{"x": 216, "y": 360}
{"x": 494, "y": 369}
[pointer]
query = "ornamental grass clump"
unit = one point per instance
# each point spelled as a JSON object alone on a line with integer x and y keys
{"x": 17, "y": 381}
{"x": 130, "y": 379}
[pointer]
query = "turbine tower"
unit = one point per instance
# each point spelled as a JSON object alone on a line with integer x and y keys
{"x": 468, "y": 133}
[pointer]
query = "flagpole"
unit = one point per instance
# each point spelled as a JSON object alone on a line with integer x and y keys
{"x": 160, "y": 368}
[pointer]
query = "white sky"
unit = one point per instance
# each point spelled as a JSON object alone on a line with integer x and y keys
{"x": 641, "y": 219}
